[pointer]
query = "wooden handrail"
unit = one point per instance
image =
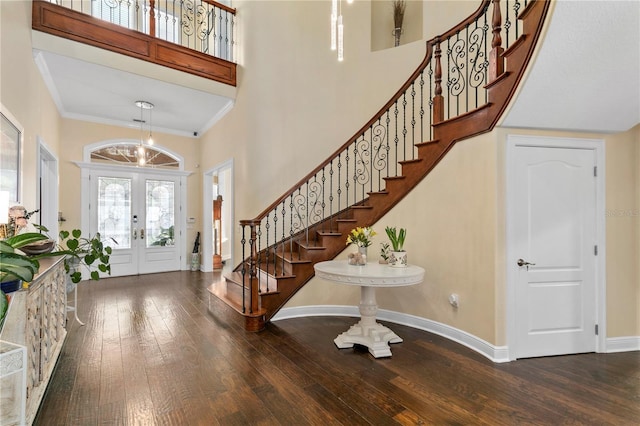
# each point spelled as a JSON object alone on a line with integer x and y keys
{"x": 221, "y": 6}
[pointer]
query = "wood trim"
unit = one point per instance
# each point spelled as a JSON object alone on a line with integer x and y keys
{"x": 62, "y": 22}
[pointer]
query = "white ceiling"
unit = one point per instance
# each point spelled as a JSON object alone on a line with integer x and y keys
{"x": 103, "y": 94}
{"x": 586, "y": 77}
{"x": 587, "y": 74}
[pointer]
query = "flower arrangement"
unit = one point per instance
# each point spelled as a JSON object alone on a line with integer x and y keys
{"x": 361, "y": 236}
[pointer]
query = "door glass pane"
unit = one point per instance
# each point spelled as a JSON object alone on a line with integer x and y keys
{"x": 114, "y": 210}
{"x": 160, "y": 213}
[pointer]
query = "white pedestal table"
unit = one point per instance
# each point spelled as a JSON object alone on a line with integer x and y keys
{"x": 367, "y": 331}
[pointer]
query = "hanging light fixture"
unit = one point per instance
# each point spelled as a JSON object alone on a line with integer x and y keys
{"x": 337, "y": 28}
{"x": 142, "y": 152}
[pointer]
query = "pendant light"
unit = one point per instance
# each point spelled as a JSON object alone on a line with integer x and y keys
{"x": 142, "y": 152}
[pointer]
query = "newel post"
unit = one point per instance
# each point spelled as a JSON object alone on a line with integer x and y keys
{"x": 496, "y": 61}
{"x": 249, "y": 277}
{"x": 438, "y": 99}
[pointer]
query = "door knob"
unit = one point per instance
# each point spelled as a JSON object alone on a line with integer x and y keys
{"x": 522, "y": 262}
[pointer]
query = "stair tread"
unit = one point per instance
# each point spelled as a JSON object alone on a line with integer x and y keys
{"x": 362, "y": 207}
{"x": 425, "y": 143}
{"x": 330, "y": 233}
{"x": 415, "y": 160}
{"x": 219, "y": 290}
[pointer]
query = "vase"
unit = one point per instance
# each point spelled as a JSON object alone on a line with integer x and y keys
{"x": 397, "y": 32}
{"x": 358, "y": 258}
{"x": 398, "y": 259}
{"x": 363, "y": 254}
{"x": 11, "y": 286}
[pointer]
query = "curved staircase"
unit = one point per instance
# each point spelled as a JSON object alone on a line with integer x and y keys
{"x": 460, "y": 90}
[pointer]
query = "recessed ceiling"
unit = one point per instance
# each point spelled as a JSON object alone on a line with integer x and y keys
{"x": 98, "y": 93}
{"x": 587, "y": 74}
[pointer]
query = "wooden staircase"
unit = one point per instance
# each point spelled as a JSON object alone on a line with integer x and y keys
{"x": 272, "y": 273}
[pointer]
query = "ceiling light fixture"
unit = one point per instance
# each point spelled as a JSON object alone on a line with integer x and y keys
{"x": 337, "y": 28}
{"x": 142, "y": 153}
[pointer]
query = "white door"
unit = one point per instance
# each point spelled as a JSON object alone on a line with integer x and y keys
{"x": 554, "y": 250}
{"x": 139, "y": 212}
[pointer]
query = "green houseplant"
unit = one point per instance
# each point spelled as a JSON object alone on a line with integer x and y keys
{"x": 398, "y": 256}
{"x": 14, "y": 264}
{"x": 396, "y": 238}
{"x": 89, "y": 251}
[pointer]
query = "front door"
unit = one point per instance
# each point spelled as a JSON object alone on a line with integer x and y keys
{"x": 138, "y": 211}
{"x": 554, "y": 249}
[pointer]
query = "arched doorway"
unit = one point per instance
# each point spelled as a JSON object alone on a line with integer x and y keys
{"x": 137, "y": 208}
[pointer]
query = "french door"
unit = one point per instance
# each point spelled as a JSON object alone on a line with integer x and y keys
{"x": 138, "y": 214}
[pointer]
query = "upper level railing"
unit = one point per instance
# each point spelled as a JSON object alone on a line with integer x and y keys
{"x": 452, "y": 81}
{"x": 205, "y": 26}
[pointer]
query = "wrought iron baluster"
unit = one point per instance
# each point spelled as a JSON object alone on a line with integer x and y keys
{"x": 347, "y": 184}
{"x": 323, "y": 179}
{"x": 339, "y": 183}
{"x": 404, "y": 125}
{"x": 284, "y": 212}
{"x": 388, "y": 122}
{"x": 291, "y": 227}
{"x": 413, "y": 120}
{"x": 331, "y": 194}
{"x": 422, "y": 105}
{"x": 516, "y": 11}
{"x": 396, "y": 139}
{"x": 267, "y": 256}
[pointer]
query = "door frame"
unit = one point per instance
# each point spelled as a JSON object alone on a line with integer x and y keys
{"x": 49, "y": 183}
{"x": 598, "y": 146}
{"x": 87, "y": 168}
{"x": 206, "y": 264}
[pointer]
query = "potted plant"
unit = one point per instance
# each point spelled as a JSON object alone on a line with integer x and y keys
{"x": 89, "y": 251}
{"x": 15, "y": 265}
{"x": 398, "y": 256}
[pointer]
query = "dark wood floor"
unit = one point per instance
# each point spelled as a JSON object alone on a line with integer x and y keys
{"x": 153, "y": 354}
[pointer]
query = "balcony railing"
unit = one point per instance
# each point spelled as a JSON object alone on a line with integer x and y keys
{"x": 201, "y": 25}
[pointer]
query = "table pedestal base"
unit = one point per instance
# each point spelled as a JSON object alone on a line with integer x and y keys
{"x": 376, "y": 338}
{"x": 367, "y": 332}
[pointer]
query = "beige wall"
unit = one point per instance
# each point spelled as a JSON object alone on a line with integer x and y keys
{"x": 23, "y": 93}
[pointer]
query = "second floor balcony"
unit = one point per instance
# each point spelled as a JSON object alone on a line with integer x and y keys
{"x": 193, "y": 36}
{"x": 98, "y": 57}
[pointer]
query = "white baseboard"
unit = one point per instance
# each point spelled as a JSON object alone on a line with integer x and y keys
{"x": 494, "y": 353}
{"x": 623, "y": 344}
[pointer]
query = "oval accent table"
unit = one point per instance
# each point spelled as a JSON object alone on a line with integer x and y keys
{"x": 367, "y": 331}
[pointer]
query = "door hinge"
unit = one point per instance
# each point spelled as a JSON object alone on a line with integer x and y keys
{"x": 596, "y": 329}
{"x": 595, "y": 250}
{"x": 595, "y": 171}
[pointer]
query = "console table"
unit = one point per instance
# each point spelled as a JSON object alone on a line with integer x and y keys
{"x": 367, "y": 331}
{"x": 31, "y": 341}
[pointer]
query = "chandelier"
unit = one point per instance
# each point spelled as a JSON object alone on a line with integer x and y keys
{"x": 142, "y": 152}
{"x": 337, "y": 28}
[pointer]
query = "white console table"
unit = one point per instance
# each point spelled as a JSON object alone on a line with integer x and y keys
{"x": 31, "y": 341}
{"x": 367, "y": 331}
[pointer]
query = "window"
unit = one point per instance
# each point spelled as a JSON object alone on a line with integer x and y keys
{"x": 10, "y": 160}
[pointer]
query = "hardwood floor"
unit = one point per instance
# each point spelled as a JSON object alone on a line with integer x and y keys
{"x": 152, "y": 353}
